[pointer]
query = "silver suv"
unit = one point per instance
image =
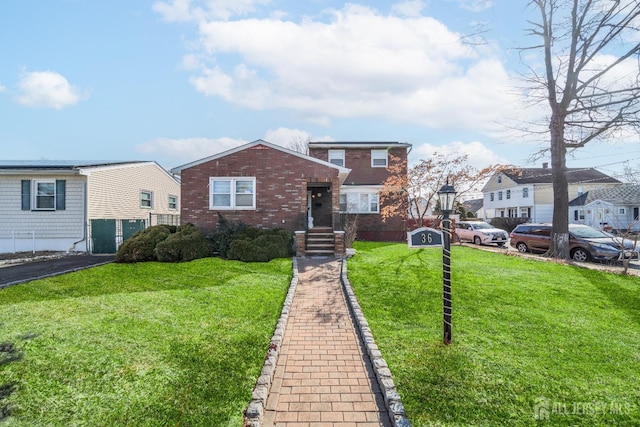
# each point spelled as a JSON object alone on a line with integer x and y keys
{"x": 480, "y": 233}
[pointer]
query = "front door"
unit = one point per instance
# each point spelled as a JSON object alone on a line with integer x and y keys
{"x": 319, "y": 205}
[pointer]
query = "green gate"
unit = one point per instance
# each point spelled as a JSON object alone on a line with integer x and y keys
{"x": 103, "y": 236}
{"x": 131, "y": 227}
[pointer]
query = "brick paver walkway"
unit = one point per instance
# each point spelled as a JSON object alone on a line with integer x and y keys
{"x": 322, "y": 377}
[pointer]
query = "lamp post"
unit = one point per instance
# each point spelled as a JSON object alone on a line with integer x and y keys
{"x": 446, "y": 195}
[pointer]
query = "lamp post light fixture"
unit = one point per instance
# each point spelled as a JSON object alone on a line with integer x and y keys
{"x": 446, "y": 196}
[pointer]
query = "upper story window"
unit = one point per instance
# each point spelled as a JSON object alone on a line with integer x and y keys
{"x": 499, "y": 195}
{"x": 491, "y": 197}
{"x": 508, "y": 194}
{"x": 499, "y": 179}
{"x": 232, "y": 193}
{"x": 146, "y": 199}
{"x": 379, "y": 158}
{"x": 43, "y": 194}
{"x": 336, "y": 157}
{"x": 525, "y": 193}
{"x": 173, "y": 203}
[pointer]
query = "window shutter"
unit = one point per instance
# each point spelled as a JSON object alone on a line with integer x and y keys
{"x": 26, "y": 194}
{"x": 61, "y": 186}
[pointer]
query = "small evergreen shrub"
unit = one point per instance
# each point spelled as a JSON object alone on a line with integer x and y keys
{"x": 187, "y": 244}
{"x": 247, "y": 251}
{"x": 141, "y": 246}
{"x": 224, "y": 234}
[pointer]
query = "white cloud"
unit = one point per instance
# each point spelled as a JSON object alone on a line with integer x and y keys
{"x": 409, "y": 8}
{"x": 359, "y": 63}
{"x": 47, "y": 89}
{"x": 2, "y": 88}
{"x": 189, "y": 149}
{"x": 188, "y": 10}
{"x": 479, "y": 155}
{"x": 475, "y": 5}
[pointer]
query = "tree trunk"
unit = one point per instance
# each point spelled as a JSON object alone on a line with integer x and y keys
{"x": 560, "y": 230}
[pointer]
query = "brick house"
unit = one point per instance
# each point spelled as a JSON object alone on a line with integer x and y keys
{"x": 269, "y": 186}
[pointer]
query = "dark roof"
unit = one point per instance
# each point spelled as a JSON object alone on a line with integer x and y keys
{"x": 358, "y": 144}
{"x": 473, "y": 205}
{"x": 58, "y": 164}
{"x": 620, "y": 195}
{"x": 543, "y": 176}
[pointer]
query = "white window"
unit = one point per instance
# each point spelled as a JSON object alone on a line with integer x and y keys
{"x": 525, "y": 193}
{"x": 499, "y": 195}
{"x": 491, "y": 196}
{"x": 45, "y": 195}
{"x": 173, "y": 203}
{"x": 499, "y": 179}
{"x": 336, "y": 157}
{"x": 232, "y": 193}
{"x": 379, "y": 158}
{"x": 621, "y": 211}
{"x": 508, "y": 194}
{"x": 359, "y": 203}
{"x": 146, "y": 199}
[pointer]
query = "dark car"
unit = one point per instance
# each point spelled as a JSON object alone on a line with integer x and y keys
{"x": 585, "y": 243}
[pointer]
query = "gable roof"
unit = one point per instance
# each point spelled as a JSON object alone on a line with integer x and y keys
{"x": 69, "y": 167}
{"x": 358, "y": 144}
{"x": 342, "y": 172}
{"x": 473, "y": 205}
{"x": 544, "y": 176}
{"x": 620, "y": 195}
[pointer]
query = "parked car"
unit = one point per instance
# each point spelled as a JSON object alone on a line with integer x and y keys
{"x": 480, "y": 233}
{"x": 585, "y": 243}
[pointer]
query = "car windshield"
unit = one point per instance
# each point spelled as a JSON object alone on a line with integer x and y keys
{"x": 588, "y": 233}
{"x": 480, "y": 226}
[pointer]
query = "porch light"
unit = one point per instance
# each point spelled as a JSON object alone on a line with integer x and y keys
{"x": 446, "y": 195}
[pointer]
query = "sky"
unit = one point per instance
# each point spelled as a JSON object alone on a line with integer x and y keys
{"x": 178, "y": 80}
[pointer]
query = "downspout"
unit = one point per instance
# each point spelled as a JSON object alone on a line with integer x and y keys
{"x": 84, "y": 221}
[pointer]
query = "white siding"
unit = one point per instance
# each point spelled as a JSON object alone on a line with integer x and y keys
{"x": 114, "y": 192}
{"x": 53, "y": 230}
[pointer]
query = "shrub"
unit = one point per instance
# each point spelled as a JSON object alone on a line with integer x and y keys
{"x": 507, "y": 224}
{"x": 141, "y": 246}
{"x": 256, "y": 245}
{"x": 225, "y": 232}
{"x": 187, "y": 244}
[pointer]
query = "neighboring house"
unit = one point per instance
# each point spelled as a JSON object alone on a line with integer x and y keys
{"x": 359, "y": 194}
{"x": 528, "y": 192}
{"x": 474, "y": 207}
{"x": 615, "y": 208}
{"x": 81, "y": 206}
{"x": 268, "y": 186}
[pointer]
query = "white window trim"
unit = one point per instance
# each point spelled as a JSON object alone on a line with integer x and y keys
{"x": 150, "y": 199}
{"x": 169, "y": 202}
{"x": 34, "y": 194}
{"x": 377, "y": 155}
{"x": 336, "y": 155}
{"x": 233, "y": 180}
{"x": 354, "y": 207}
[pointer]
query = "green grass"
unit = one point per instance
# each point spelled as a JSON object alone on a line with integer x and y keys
{"x": 522, "y": 330}
{"x": 145, "y": 344}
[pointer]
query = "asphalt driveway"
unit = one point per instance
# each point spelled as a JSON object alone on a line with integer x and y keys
{"x": 20, "y": 273}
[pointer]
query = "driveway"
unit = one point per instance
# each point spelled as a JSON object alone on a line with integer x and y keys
{"x": 25, "y": 272}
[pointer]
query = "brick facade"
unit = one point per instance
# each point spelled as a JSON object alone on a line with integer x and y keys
{"x": 282, "y": 179}
{"x": 358, "y": 159}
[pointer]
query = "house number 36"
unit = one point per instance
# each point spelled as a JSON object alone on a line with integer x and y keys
{"x": 426, "y": 238}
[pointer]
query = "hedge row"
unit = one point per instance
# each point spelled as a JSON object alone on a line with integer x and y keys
{"x": 185, "y": 243}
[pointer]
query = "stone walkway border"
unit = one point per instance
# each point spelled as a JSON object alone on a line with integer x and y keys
{"x": 255, "y": 411}
{"x": 383, "y": 374}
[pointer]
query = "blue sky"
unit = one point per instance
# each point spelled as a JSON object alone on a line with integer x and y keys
{"x": 177, "y": 80}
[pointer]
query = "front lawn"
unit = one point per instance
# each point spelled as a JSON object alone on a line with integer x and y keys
{"x": 528, "y": 337}
{"x": 147, "y": 344}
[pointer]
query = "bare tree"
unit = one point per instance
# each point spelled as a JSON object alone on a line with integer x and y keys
{"x": 419, "y": 186}
{"x": 300, "y": 144}
{"x": 631, "y": 174}
{"x": 590, "y": 81}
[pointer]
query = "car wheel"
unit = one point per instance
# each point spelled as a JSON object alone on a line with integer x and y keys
{"x": 522, "y": 247}
{"x": 500, "y": 245}
{"x": 580, "y": 254}
{"x": 476, "y": 240}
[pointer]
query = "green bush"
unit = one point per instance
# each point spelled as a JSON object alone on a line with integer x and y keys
{"x": 256, "y": 245}
{"x": 141, "y": 246}
{"x": 187, "y": 244}
{"x": 225, "y": 232}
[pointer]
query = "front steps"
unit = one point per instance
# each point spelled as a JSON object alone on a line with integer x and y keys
{"x": 320, "y": 242}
